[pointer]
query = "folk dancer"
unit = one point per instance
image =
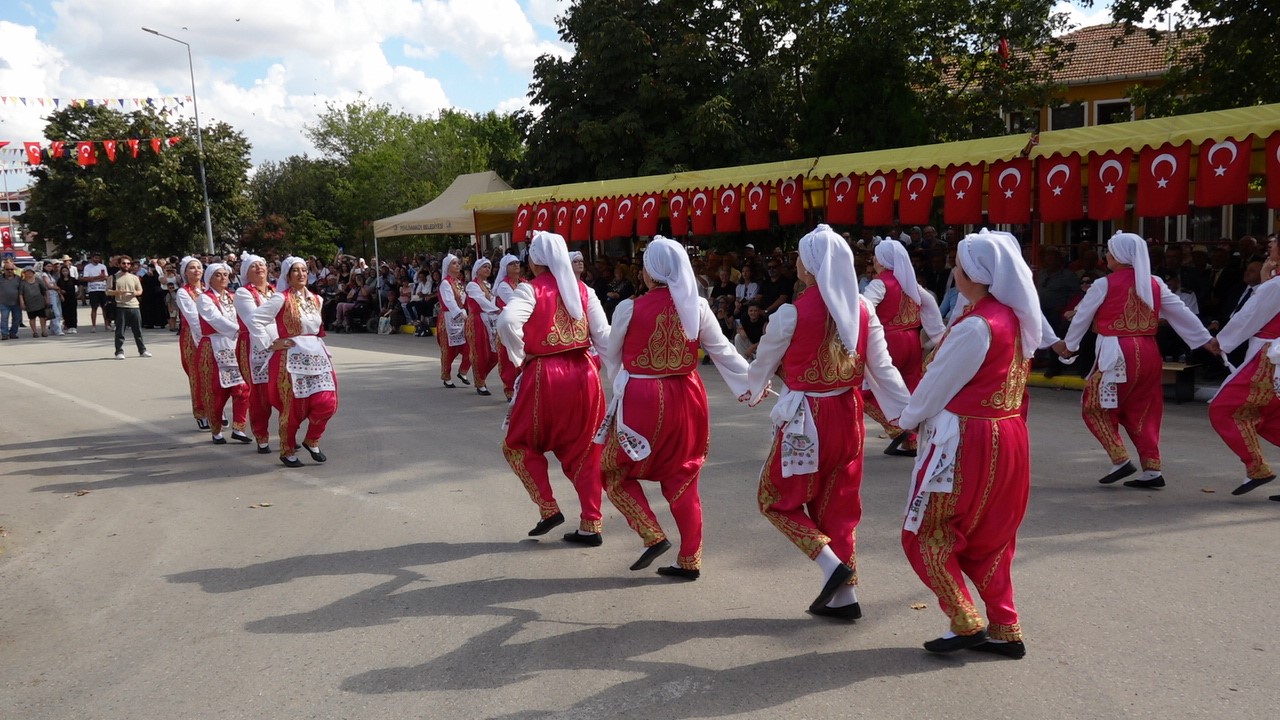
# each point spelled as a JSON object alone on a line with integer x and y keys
{"x": 1123, "y": 390}
{"x": 219, "y": 368}
{"x": 451, "y": 325}
{"x": 482, "y": 325}
{"x": 903, "y": 309}
{"x": 192, "y": 273}
{"x": 255, "y": 361}
{"x": 972, "y": 477}
{"x": 303, "y": 383}
{"x": 504, "y": 287}
{"x": 657, "y": 425}
{"x": 559, "y": 401}
{"x": 824, "y": 345}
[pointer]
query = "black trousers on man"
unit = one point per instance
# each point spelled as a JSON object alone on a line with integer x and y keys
{"x": 132, "y": 317}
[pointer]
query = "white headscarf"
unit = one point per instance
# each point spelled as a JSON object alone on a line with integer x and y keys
{"x": 575, "y": 256}
{"x": 214, "y": 267}
{"x": 894, "y": 256}
{"x": 475, "y": 267}
{"x": 247, "y": 260}
{"x": 282, "y": 282}
{"x": 549, "y": 250}
{"x": 668, "y": 263}
{"x": 994, "y": 261}
{"x": 182, "y": 269}
{"x": 1131, "y": 249}
{"x": 446, "y": 263}
{"x": 825, "y": 254}
{"x": 502, "y": 267}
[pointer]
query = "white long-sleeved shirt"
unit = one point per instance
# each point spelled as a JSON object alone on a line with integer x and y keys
{"x": 930, "y": 315}
{"x": 954, "y": 364}
{"x": 211, "y": 311}
{"x": 263, "y": 330}
{"x": 450, "y": 301}
{"x": 246, "y": 306}
{"x": 881, "y": 376}
{"x": 475, "y": 292}
{"x": 1183, "y": 322}
{"x": 504, "y": 291}
{"x": 190, "y": 313}
{"x": 520, "y": 309}
{"x": 732, "y": 366}
{"x": 1258, "y": 310}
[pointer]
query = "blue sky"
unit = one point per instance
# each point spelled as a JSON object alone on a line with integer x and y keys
{"x": 268, "y": 67}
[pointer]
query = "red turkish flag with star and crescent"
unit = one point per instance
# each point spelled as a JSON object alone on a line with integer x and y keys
{"x": 33, "y": 152}
{"x": 1009, "y": 192}
{"x": 729, "y": 209}
{"x": 702, "y": 212}
{"x": 1164, "y": 179}
{"x": 648, "y": 215}
{"x": 842, "y": 200}
{"x": 1061, "y": 188}
{"x": 6, "y": 238}
{"x": 580, "y": 230}
{"x": 155, "y": 145}
{"x": 1223, "y": 177}
{"x": 542, "y": 216}
{"x": 56, "y": 148}
{"x": 791, "y": 201}
{"x": 563, "y": 219}
{"x": 915, "y": 197}
{"x": 962, "y": 201}
{"x": 877, "y": 198}
{"x": 1108, "y": 184}
{"x": 110, "y": 147}
{"x": 624, "y": 217}
{"x": 85, "y": 154}
{"x": 133, "y": 147}
{"x": 1273, "y": 171}
{"x": 602, "y": 222}
{"x": 520, "y": 228}
{"x": 757, "y": 198}
{"x": 678, "y": 211}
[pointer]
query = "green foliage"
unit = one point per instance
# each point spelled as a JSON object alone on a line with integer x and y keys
{"x": 148, "y": 205}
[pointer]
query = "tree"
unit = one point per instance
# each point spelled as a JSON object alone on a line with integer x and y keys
{"x": 1221, "y": 54}
{"x": 148, "y": 205}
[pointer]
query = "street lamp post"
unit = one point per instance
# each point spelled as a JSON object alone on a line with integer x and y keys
{"x": 204, "y": 185}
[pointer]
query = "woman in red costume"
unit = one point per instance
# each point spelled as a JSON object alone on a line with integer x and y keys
{"x": 303, "y": 383}
{"x": 657, "y": 425}
{"x": 254, "y": 361}
{"x": 504, "y": 288}
{"x": 451, "y": 326}
{"x": 482, "y": 325}
{"x": 219, "y": 369}
{"x": 823, "y": 345}
{"x": 972, "y": 477}
{"x": 192, "y": 271}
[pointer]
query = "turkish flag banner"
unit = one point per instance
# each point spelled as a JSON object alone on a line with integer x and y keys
{"x": 842, "y": 200}
{"x": 703, "y": 214}
{"x": 1164, "y": 179}
{"x": 602, "y": 225}
{"x": 648, "y": 215}
{"x": 791, "y": 201}
{"x": 155, "y": 145}
{"x": 915, "y": 197}
{"x": 562, "y": 219}
{"x": 1061, "y": 188}
{"x": 624, "y": 217}
{"x": 56, "y": 148}
{"x": 1009, "y": 192}
{"x": 1273, "y": 171}
{"x": 1223, "y": 177}
{"x": 33, "y": 152}
{"x": 520, "y": 228}
{"x": 678, "y": 211}
{"x": 6, "y": 238}
{"x": 962, "y": 203}
{"x": 174, "y": 140}
{"x": 877, "y": 199}
{"x": 580, "y": 230}
{"x": 729, "y": 209}
{"x": 85, "y": 154}
{"x": 542, "y": 217}
{"x": 133, "y": 150}
{"x": 110, "y": 147}
{"x": 758, "y": 206}
{"x": 1108, "y": 184}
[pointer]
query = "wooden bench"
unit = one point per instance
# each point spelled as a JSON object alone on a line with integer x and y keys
{"x": 1182, "y": 377}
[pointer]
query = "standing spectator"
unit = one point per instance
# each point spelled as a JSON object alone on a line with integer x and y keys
{"x": 33, "y": 295}
{"x": 127, "y": 290}
{"x": 94, "y": 276}
{"x": 53, "y": 299}
{"x": 67, "y": 287}
{"x": 154, "y": 313}
{"x": 10, "y": 304}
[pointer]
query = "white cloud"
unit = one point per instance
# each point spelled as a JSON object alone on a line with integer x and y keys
{"x": 545, "y": 12}
{"x": 1100, "y": 14}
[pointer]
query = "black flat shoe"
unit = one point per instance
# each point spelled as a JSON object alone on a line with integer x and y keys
{"x": 240, "y": 437}
{"x": 1252, "y": 485}
{"x": 895, "y": 447}
{"x": 544, "y": 526}
{"x": 315, "y": 454}
{"x": 294, "y": 463}
{"x": 1123, "y": 472}
{"x": 219, "y": 441}
{"x": 1152, "y": 484}
{"x": 650, "y": 554}
{"x": 959, "y": 642}
{"x": 1013, "y": 649}
{"x": 838, "y": 578}
{"x": 849, "y": 612}
{"x": 202, "y": 424}
{"x": 679, "y": 572}
{"x": 449, "y": 385}
{"x": 464, "y": 380}
{"x": 1275, "y": 498}
{"x": 590, "y": 540}
{"x": 483, "y": 391}
{"x": 264, "y": 449}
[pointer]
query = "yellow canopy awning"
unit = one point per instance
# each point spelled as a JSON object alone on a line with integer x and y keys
{"x": 1236, "y": 124}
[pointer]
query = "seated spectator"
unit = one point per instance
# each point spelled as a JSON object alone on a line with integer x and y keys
{"x": 750, "y": 328}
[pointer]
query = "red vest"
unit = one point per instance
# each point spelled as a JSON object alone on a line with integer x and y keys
{"x": 897, "y": 311}
{"x": 1123, "y": 314}
{"x": 289, "y": 319}
{"x": 996, "y": 390}
{"x": 473, "y": 307}
{"x": 816, "y": 360}
{"x": 550, "y": 329}
{"x": 655, "y": 343}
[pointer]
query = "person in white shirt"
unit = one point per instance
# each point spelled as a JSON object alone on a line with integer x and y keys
{"x": 94, "y": 276}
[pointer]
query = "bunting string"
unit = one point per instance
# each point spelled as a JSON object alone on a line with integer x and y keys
{"x": 165, "y": 101}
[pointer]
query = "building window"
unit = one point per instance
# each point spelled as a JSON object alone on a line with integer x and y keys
{"x": 1108, "y": 112}
{"x": 1066, "y": 117}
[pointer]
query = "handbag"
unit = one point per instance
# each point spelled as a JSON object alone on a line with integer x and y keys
{"x": 384, "y": 325}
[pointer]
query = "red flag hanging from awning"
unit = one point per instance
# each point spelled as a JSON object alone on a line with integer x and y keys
{"x": 877, "y": 198}
{"x": 520, "y": 228}
{"x": 915, "y": 197}
{"x": 1109, "y": 184}
{"x": 729, "y": 209}
{"x": 563, "y": 217}
{"x": 602, "y": 226}
{"x": 962, "y": 204}
{"x": 678, "y": 212}
{"x": 1164, "y": 179}
{"x": 624, "y": 217}
{"x": 580, "y": 229}
{"x": 758, "y": 205}
{"x": 702, "y": 213}
{"x": 1061, "y": 188}
{"x": 648, "y": 215}
{"x": 1273, "y": 171}
{"x": 1009, "y": 192}
{"x": 842, "y": 200}
{"x": 791, "y": 201}
{"x": 542, "y": 217}
{"x": 1223, "y": 175}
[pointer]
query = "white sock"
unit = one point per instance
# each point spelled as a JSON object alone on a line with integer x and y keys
{"x": 1119, "y": 465}
{"x": 846, "y": 595}
{"x": 290, "y": 458}
{"x": 948, "y": 635}
{"x": 263, "y": 445}
{"x": 996, "y": 642}
{"x": 828, "y": 561}
{"x": 584, "y": 532}
{"x": 218, "y": 436}
{"x": 1149, "y": 475}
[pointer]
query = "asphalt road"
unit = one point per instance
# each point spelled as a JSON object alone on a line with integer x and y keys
{"x": 146, "y": 573}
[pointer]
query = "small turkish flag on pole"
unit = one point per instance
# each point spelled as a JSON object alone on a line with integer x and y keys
{"x": 85, "y": 154}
